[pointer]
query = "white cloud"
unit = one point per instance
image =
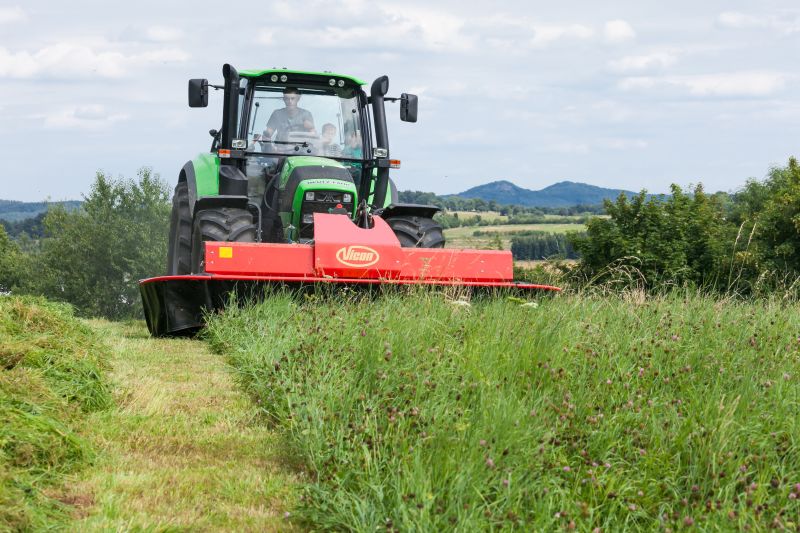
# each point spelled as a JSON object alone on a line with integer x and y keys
{"x": 401, "y": 27}
{"x": 734, "y": 19}
{"x": 546, "y": 35}
{"x": 623, "y": 144}
{"x": 787, "y": 24}
{"x": 751, "y": 83}
{"x": 474, "y": 137}
{"x": 164, "y": 55}
{"x": 162, "y": 34}
{"x": 618, "y": 31}
{"x": 568, "y": 148}
{"x": 12, "y": 14}
{"x": 83, "y": 117}
{"x": 406, "y": 28}
{"x": 437, "y": 29}
{"x": 656, "y": 60}
{"x": 69, "y": 60}
{"x": 265, "y": 37}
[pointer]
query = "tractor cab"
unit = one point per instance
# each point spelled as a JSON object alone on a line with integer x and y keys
{"x": 304, "y": 123}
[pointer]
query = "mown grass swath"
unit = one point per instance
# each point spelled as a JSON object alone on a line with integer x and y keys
{"x": 425, "y": 414}
{"x": 50, "y": 376}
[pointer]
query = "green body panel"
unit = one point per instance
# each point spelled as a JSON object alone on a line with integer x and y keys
{"x": 321, "y": 184}
{"x": 206, "y": 174}
{"x": 386, "y": 201}
{"x": 327, "y": 75}
{"x": 304, "y": 161}
{"x": 317, "y": 184}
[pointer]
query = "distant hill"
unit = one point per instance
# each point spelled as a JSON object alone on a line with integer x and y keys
{"x": 561, "y": 194}
{"x": 14, "y": 211}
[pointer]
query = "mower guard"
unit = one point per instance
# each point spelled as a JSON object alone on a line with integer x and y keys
{"x": 341, "y": 253}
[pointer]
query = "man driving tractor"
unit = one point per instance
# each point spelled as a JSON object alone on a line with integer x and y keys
{"x": 290, "y": 118}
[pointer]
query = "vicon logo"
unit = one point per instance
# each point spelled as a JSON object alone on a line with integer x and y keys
{"x": 357, "y": 256}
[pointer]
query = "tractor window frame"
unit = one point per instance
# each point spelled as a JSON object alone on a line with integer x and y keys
{"x": 359, "y": 96}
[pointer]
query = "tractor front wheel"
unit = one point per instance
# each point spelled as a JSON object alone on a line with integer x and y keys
{"x": 179, "y": 254}
{"x": 226, "y": 224}
{"x": 417, "y": 232}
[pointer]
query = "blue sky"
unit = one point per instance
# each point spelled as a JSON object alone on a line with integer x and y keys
{"x": 626, "y": 94}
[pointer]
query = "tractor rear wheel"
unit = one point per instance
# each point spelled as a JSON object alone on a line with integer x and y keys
{"x": 417, "y": 232}
{"x": 179, "y": 254}
{"x": 225, "y": 224}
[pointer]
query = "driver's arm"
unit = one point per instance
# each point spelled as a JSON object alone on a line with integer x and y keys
{"x": 272, "y": 126}
{"x": 308, "y": 122}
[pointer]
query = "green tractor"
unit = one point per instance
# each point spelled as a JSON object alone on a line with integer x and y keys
{"x": 291, "y": 144}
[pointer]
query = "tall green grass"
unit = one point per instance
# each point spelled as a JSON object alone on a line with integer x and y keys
{"x": 418, "y": 413}
{"x": 50, "y": 376}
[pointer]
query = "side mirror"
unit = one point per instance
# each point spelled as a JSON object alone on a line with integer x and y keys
{"x": 198, "y": 93}
{"x": 408, "y": 107}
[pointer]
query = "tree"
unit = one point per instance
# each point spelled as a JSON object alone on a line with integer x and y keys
{"x": 94, "y": 256}
{"x": 10, "y": 259}
{"x": 774, "y": 208}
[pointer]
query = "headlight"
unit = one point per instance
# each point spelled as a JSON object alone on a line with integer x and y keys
{"x": 308, "y": 218}
{"x": 347, "y": 198}
{"x": 284, "y": 78}
{"x": 273, "y": 78}
{"x": 310, "y": 196}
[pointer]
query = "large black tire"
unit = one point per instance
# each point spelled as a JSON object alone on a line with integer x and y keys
{"x": 179, "y": 255}
{"x": 417, "y": 232}
{"x": 225, "y": 224}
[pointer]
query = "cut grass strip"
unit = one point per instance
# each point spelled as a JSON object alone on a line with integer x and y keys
{"x": 418, "y": 414}
{"x": 51, "y": 376}
{"x": 185, "y": 450}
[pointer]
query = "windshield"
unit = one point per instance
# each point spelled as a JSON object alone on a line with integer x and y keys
{"x": 305, "y": 121}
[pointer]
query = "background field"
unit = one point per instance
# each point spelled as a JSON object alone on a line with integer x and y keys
{"x": 425, "y": 412}
{"x": 485, "y": 215}
{"x": 464, "y": 237}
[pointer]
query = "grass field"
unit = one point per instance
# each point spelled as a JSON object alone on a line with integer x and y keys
{"x": 422, "y": 413}
{"x": 464, "y": 237}
{"x": 184, "y": 450}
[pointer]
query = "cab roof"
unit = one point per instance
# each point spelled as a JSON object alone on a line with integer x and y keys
{"x": 261, "y": 73}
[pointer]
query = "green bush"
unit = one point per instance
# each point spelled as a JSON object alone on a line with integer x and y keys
{"x": 683, "y": 239}
{"x": 769, "y": 216}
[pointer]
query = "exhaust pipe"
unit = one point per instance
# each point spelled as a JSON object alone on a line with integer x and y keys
{"x": 378, "y": 90}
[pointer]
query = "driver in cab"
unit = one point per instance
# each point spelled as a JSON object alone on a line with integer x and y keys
{"x": 290, "y": 118}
